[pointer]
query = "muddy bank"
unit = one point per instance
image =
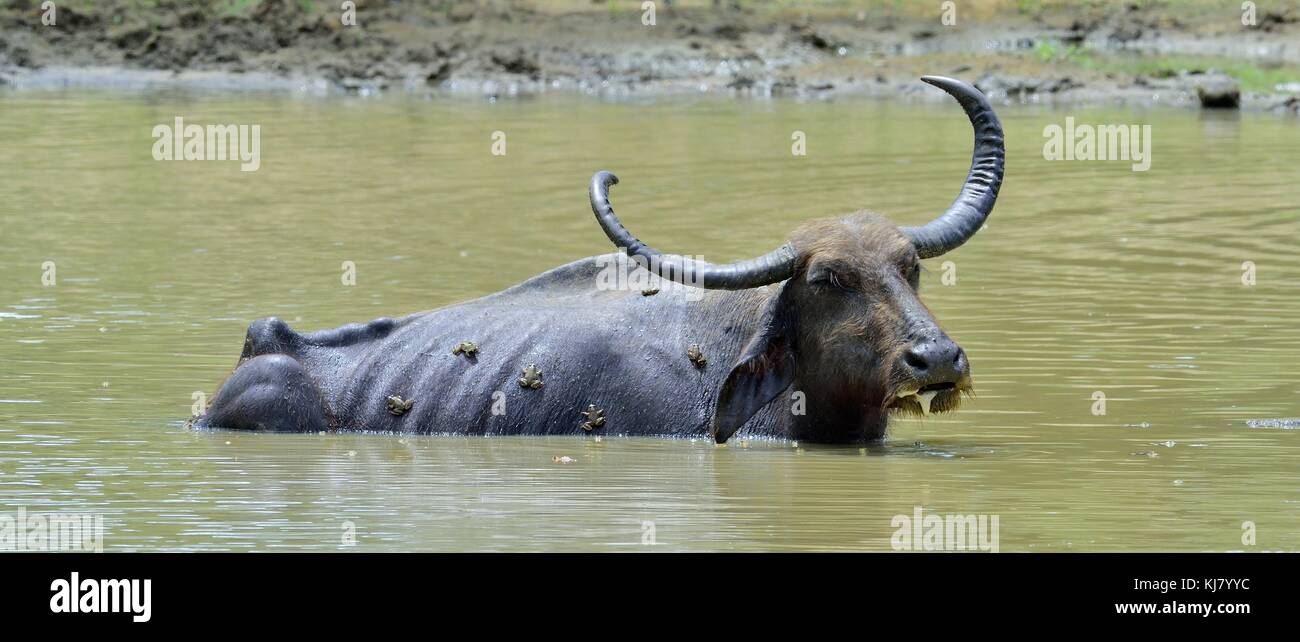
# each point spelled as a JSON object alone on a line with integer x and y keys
{"x": 1152, "y": 53}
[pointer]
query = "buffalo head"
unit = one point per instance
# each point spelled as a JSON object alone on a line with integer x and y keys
{"x": 847, "y": 325}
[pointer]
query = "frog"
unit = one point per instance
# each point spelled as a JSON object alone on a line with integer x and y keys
{"x": 398, "y": 407}
{"x": 532, "y": 377}
{"x": 595, "y": 418}
{"x": 467, "y": 348}
{"x": 696, "y": 355}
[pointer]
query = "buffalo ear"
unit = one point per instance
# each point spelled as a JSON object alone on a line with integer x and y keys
{"x": 765, "y": 368}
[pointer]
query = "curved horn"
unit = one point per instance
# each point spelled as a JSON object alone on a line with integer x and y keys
{"x": 772, "y": 267}
{"x": 966, "y": 214}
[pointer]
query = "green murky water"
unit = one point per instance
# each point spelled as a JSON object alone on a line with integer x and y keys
{"x": 1089, "y": 278}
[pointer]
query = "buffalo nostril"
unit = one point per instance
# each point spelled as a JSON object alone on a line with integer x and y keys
{"x": 935, "y": 361}
{"x": 915, "y": 360}
{"x": 960, "y": 364}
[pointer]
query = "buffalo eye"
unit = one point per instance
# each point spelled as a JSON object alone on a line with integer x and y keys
{"x": 914, "y": 274}
{"x": 826, "y": 277}
{"x": 835, "y": 281}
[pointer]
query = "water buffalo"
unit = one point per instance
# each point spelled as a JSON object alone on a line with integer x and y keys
{"x": 819, "y": 340}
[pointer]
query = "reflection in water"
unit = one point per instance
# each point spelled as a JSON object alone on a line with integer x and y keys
{"x": 1088, "y": 279}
